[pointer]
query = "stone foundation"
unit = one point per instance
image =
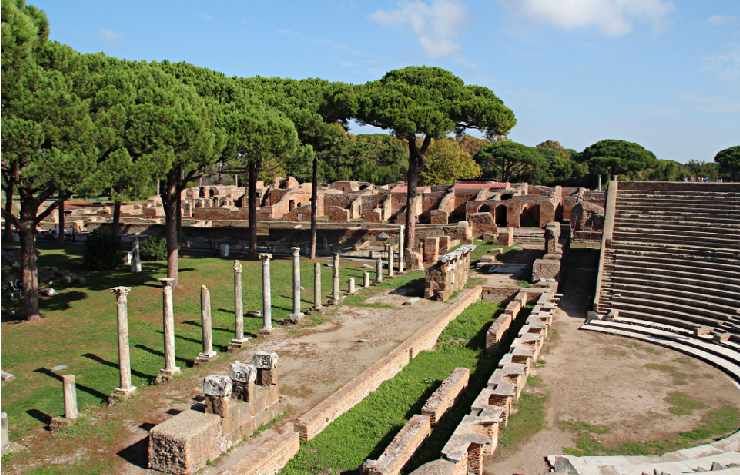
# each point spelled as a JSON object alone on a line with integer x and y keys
{"x": 449, "y": 274}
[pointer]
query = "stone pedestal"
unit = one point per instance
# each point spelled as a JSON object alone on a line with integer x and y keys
{"x": 401, "y": 260}
{"x": 168, "y": 323}
{"x": 125, "y": 388}
{"x": 239, "y": 339}
{"x": 317, "y": 286}
{"x": 366, "y": 279}
{"x": 266, "y": 364}
{"x": 296, "y": 315}
{"x": 266, "y": 294}
{"x": 206, "y": 324}
{"x": 243, "y": 378}
{"x": 351, "y": 289}
{"x": 4, "y": 430}
{"x": 70, "y": 404}
{"x": 217, "y": 391}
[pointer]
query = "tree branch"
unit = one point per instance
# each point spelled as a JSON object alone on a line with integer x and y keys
{"x": 11, "y": 217}
{"x": 41, "y": 216}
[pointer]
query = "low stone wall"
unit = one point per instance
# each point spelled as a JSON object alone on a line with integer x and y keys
{"x": 321, "y": 415}
{"x": 401, "y": 448}
{"x": 449, "y": 274}
{"x": 477, "y": 435}
{"x": 445, "y": 395}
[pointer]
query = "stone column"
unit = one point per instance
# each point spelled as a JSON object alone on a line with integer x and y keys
{"x": 206, "y": 325}
{"x": 168, "y": 322}
{"x": 243, "y": 378}
{"x": 125, "y": 389}
{"x": 136, "y": 262}
{"x": 351, "y": 286}
{"x": 70, "y": 397}
{"x": 266, "y": 294}
{"x": 391, "y": 270}
{"x": 239, "y": 339}
{"x": 317, "y": 286}
{"x": 4, "y": 429}
{"x": 335, "y": 292}
{"x": 378, "y": 271}
{"x": 296, "y": 315}
{"x": 366, "y": 279}
{"x": 401, "y": 261}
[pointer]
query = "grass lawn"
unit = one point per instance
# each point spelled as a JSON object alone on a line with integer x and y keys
{"x": 79, "y": 328}
{"x": 365, "y": 430}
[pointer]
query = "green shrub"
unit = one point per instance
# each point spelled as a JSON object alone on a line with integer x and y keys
{"x": 153, "y": 249}
{"x": 102, "y": 251}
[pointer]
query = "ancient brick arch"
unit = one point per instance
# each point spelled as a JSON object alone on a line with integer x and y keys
{"x": 530, "y": 216}
{"x": 501, "y": 215}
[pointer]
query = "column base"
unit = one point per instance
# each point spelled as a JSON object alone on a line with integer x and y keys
{"x": 318, "y": 308}
{"x": 237, "y": 343}
{"x": 265, "y": 331}
{"x": 120, "y": 394}
{"x": 165, "y": 375}
{"x": 59, "y": 423}
{"x": 296, "y": 317}
{"x": 204, "y": 357}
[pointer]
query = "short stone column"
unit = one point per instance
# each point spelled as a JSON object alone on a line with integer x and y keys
{"x": 206, "y": 325}
{"x": 243, "y": 378}
{"x": 125, "y": 389}
{"x": 136, "y": 257}
{"x": 266, "y": 294}
{"x": 391, "y": 257}
{"x": 217, "y": 390}
{"x": 336, "y": 297}
{"x": 317, "y": 286}
{"x": 168, "y": 322}
{"x": 70, "y": 397}
{"x": 239, "y": 339}
{"x": 378, "y": 271}
{"x": 401, "y": 261}
{"x": 266, "y": 364}
{"x": 4, "y": 430}
{"x": 70, "y": 404}
{"x": 296, "y": 315}
{"x": 366, "y": 279}
{"x": 351, "y": 289}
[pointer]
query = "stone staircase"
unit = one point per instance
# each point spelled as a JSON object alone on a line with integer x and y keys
{"x": 674, "y": 256}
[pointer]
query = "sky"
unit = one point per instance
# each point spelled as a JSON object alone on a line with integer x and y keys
{"x": 663, "y": 73}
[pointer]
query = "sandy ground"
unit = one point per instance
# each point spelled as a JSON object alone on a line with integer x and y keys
{"x": 611, "y": 381}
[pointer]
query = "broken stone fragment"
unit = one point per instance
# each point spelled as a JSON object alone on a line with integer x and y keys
{"x": 265, "y": 359}
{"x": 243, "y": 372}
{"x": 218, "y": 385}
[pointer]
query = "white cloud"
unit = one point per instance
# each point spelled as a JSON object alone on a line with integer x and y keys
{"x": 721, "y": 20}
{"x": 612, "y": 17}
{"x": 109, "y": 37}
{"x": 436, "y": 23}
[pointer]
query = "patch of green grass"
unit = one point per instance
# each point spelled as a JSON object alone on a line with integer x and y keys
{"x": 365, "y": 430}
{"x": 714, "y": 424}
{"x": 410, "y": 282}
{"x": 682, "y": 404}
{"x": 79, "y": 328}
{"x": 528, "y": 420}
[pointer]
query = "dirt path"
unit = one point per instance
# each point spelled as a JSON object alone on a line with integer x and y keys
{"x": 620, "y": 384}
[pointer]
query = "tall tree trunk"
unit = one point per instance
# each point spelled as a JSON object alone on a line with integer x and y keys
{"x": 60, "y": 211}
{"x": 412, "y": 179}
{"x": 169, "y": 202}
{"x": 178, "y": 213}
{"x": 29, "y": 265}
{"x": 116, "y": 223}
{"x": 314, "y": 203}
{"x": 254, "y": 169}
{"x": 9, "y": 191}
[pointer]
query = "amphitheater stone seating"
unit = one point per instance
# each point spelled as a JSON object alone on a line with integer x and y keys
{"x": 674, "y": 256}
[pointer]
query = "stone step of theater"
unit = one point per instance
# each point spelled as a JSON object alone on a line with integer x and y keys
{"x": 674, "y": 257}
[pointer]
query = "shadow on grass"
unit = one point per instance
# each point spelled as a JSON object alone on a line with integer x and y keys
{"x": 413, "y": 288}
{"x": 187, "y": 362}
{"x": 87, "y": 389}
{"x": 137, "y": 453}
{"x": 147, "y": 377}
{"x": 40, "y": 416}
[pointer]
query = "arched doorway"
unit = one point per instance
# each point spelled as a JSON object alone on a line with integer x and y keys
{"x": 501, "y": 216}
{"x": 530, "y": 216}
{"x": 484, "y": 209}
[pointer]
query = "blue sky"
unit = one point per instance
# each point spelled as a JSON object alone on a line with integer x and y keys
{"x": 664, "y": 73}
